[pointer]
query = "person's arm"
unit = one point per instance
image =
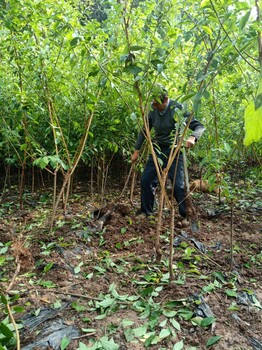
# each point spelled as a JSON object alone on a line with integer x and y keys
{"x": 197, "y": 128}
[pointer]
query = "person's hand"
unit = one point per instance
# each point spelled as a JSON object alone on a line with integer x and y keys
{"x": 135, "y": 156}
{"x": 190, "y": 142}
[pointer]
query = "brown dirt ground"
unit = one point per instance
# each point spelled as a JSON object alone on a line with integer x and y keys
{"x": 122, "y": 253}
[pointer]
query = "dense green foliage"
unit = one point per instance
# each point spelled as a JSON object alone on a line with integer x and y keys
{"x": 63, "y": 60}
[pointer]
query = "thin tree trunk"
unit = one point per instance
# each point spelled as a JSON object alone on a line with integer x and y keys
{"x": 259, "y": 38}
{"x": 171, "y": 243}
{"x": 33, "y": 181}
{"x": 231, "y": 239}
{"x": 132, "y": 187}
{"x": 92, "y": 178}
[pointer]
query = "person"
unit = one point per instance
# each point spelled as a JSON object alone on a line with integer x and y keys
{"x": 162, "y": 118}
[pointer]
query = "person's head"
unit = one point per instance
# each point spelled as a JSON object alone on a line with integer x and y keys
{"x": 160, "y": 97}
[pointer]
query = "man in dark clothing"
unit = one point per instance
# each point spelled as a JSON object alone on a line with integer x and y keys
{"x": 163, "y": 119}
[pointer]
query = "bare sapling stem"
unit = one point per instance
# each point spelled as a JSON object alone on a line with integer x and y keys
{"x": 171, "y": 243}
{"x": 231, "y": 238}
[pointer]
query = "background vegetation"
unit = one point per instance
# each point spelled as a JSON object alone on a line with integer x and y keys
{"x": 71, "y": 73}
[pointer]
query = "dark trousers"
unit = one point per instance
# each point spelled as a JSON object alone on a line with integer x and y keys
{"x": 149, "y": 181}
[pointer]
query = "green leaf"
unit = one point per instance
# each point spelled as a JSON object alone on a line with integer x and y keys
{"x": 207, "y": 321}
{"x": 175, "y": 324}
{"x": 78, "y": 307}
{"x": 208, "y": 30}
{"x": 77, "y": 269}
{"x": 88, "y": 330}
{"x": 168, "y": 313}
{"x": 133, "y": 69}
{"x": 231, "y": 293}
{"x": 187, "y": 97}
{"x": 47, "y": 284}
{"x": 136, "y": 48}
{"x": 164, "y": 333}
{"x": 74, "y": 42}
{"x": 179, "y": 345}
{"x": 42, "y": 162}
{"x": 211, "y": 341}
{"x": 18, "y": 309}
{"x": 82, "y": 346}
{"x": 106, "y": 303}
{"x": 3, "y": 299}
{"x": 150, "y": 338}
{"x": 244, "y": 20}
{"x": 185, "y": 314}
{"x": 253, "y": 124}
{"x": 127, "y": 323}
{"x": 48, "y": 266}
{"x": 140, "y": 331}
{"x": 220, "y": 276}
{"x": 64, "y": 343}
{"x": 5, "y": 331}
{"x": 108, "y": 344}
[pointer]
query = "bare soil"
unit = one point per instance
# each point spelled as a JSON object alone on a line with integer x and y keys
{"x": 96, "y": 255}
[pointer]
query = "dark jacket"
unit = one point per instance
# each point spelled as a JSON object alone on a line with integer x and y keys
{"x": 164, "y": 124}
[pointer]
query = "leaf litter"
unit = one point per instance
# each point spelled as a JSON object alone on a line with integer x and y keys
{"x": 117, "y": 297}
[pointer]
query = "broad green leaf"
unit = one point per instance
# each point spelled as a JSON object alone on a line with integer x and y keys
{"x": 136, "y": 48}
{"x": 127, "y": 323}
{"x": 3, "y": 299}
{"x": 253, "y": 118}
{"x": 207, "y": 321}
{"x": 231, "y": 293}
{"x": 150, "y": 337}
{"x": 77, "y": 269}
{"x": 196, "y": 321}
{"x": 168, "y": 313}
{"x": 179, "y": 345}
{"x": 140, "y": 331}
{"x": 108, "y": 344}
{"x": 244, "y": 20}
{"x": 187, "y": 97}
{"x": 5, "y": 331}
{"x": 106, "y": 303}
{"x": 78, "y": 307}
{"x": 175, "y": 324}
{"x": 64, "y": 343}
{"x": 205, "y": 3}
{"x": 82, "y": 346}
{"x": 164, "y": 333}
{"x": 74, "y": 42}
{"x": 47, "y": 284}
{"x": 185, "y": 314}
{"x": 208, "y": 30}
{"x": 100, "y": 317}
{"x": 48, "y": 266}
{"x": 220, "y": 276}
{"x": 18, "y": 309}
{"x": 129, "y": 335}
{"x": 163, "y": 323}
{"x": 133, "y": 69}
{"x": 211, "y": 341}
